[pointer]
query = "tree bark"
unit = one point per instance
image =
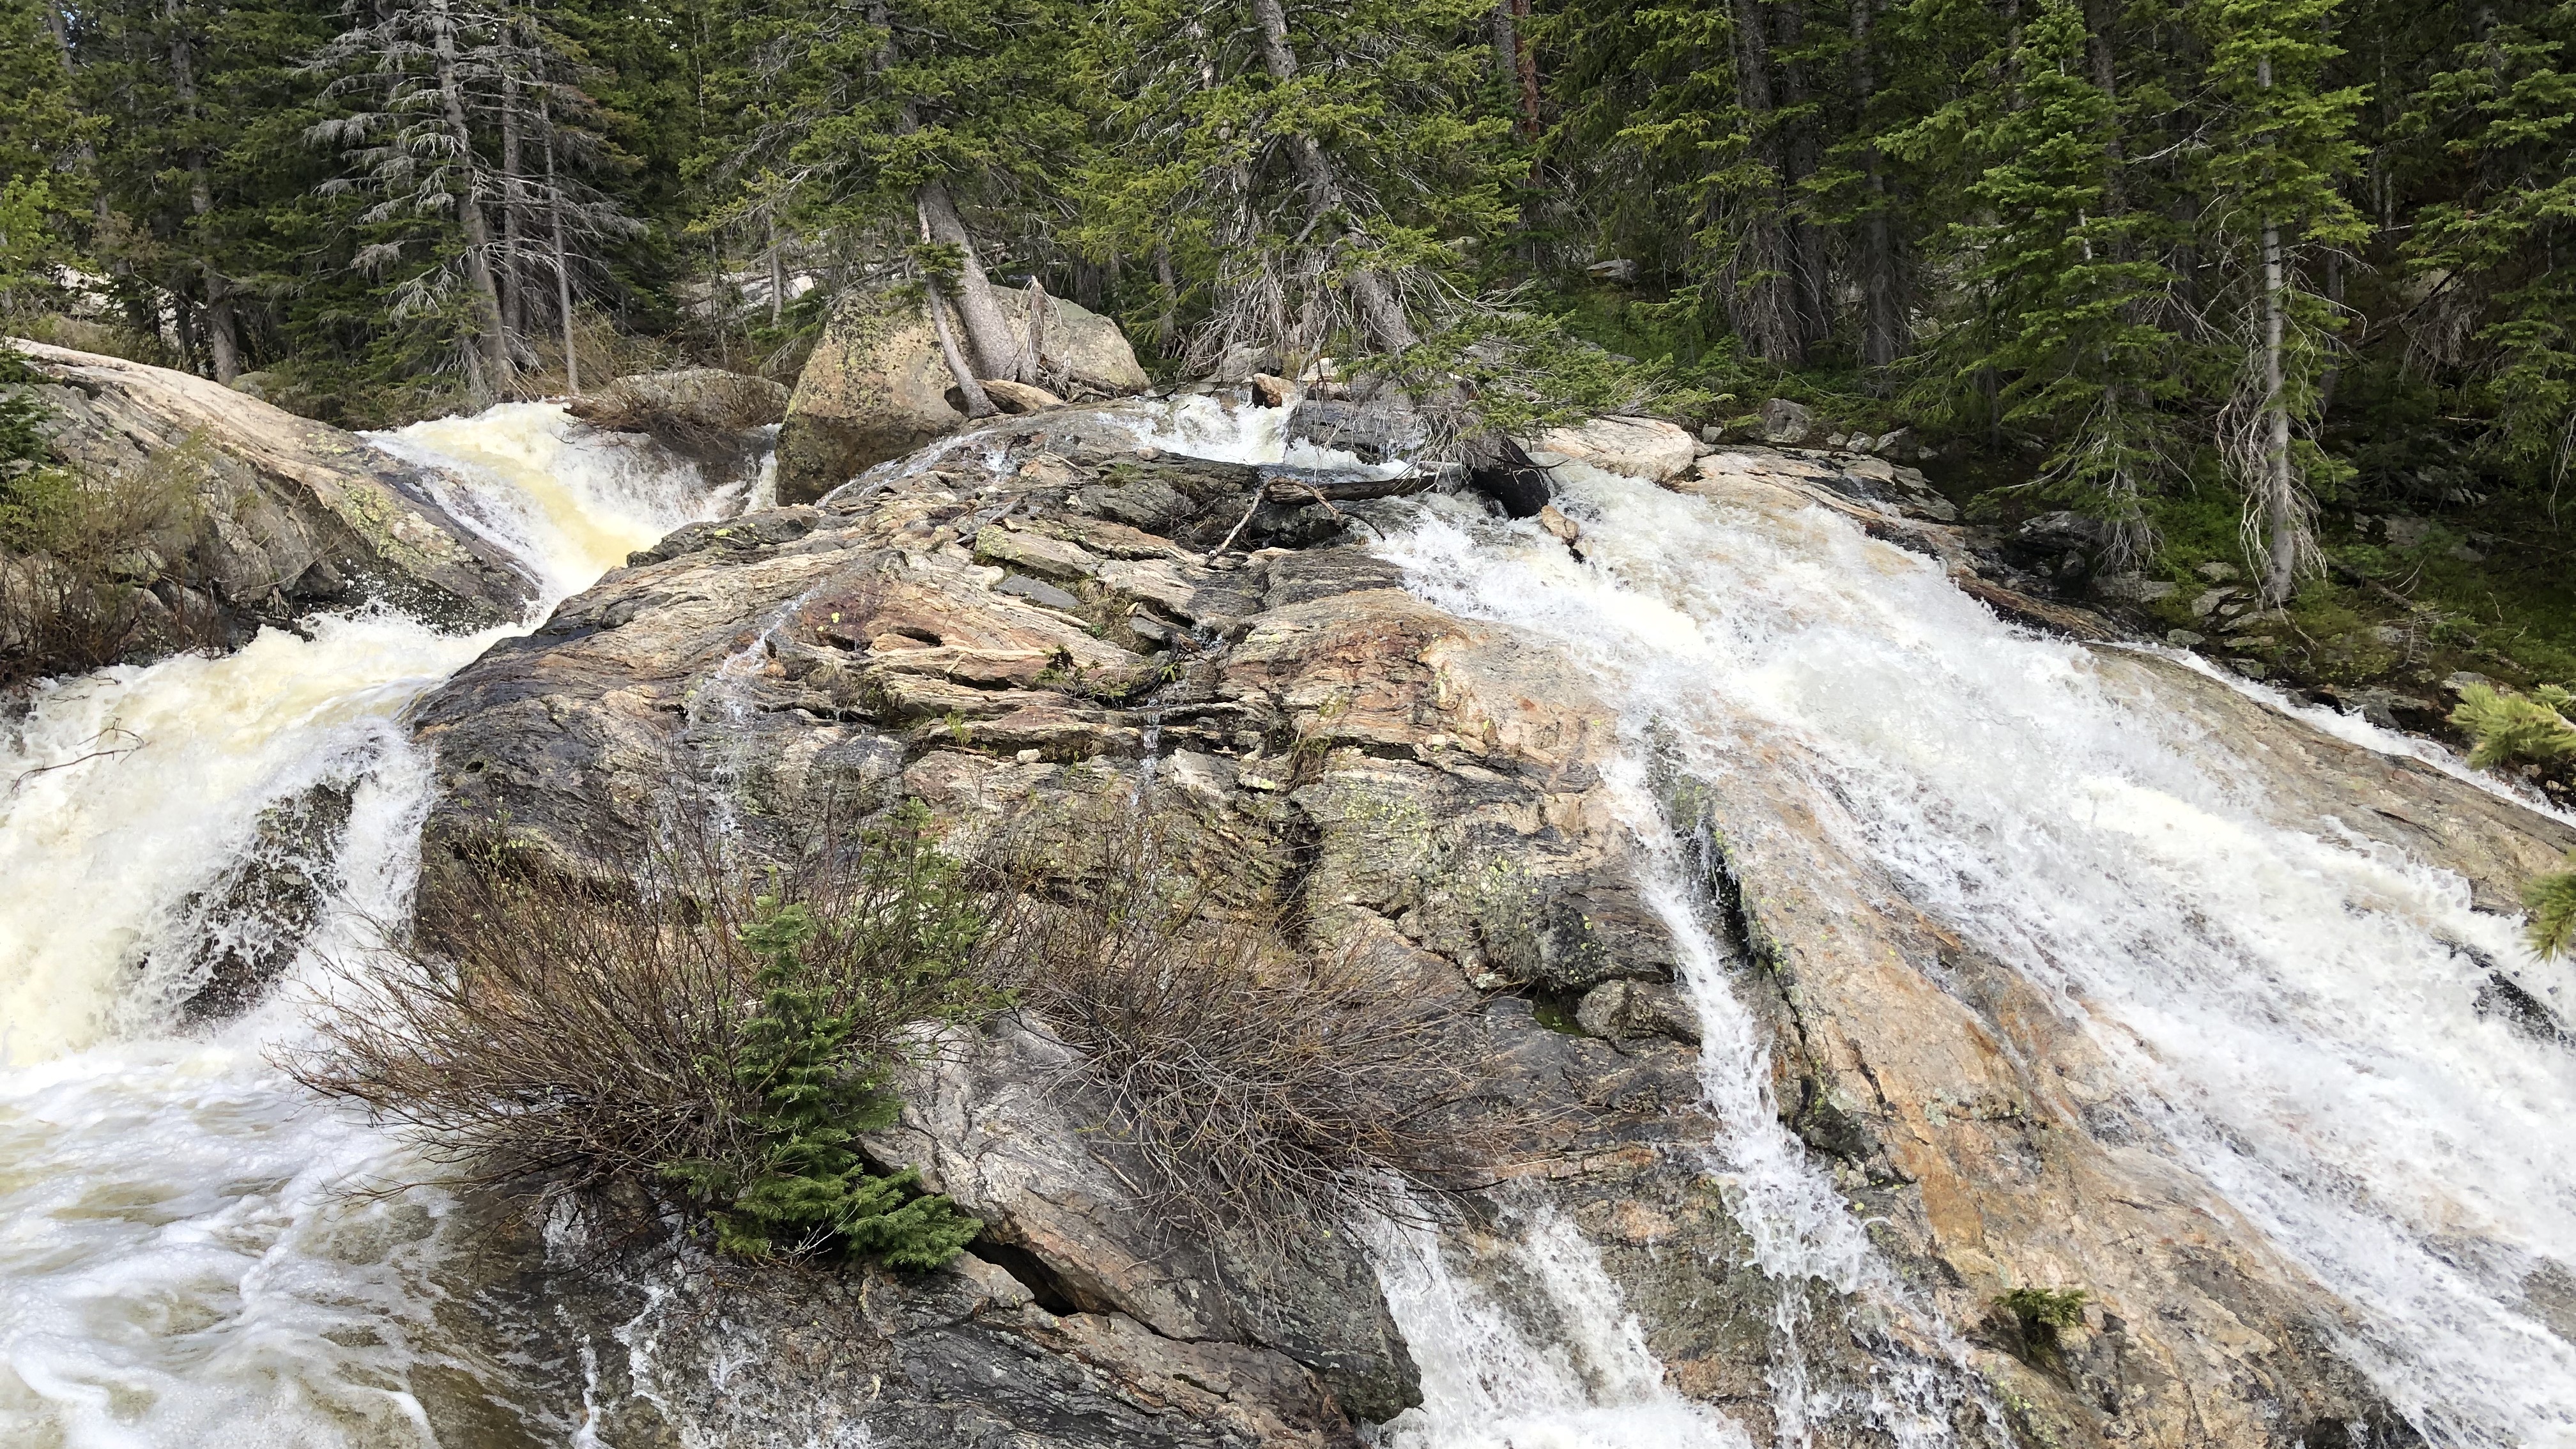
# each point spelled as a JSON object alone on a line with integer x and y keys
{"x": 1381, "y": 311}
{"x": 777, "y": 275}
{"x": 1762, "y": 296}
{"x": 1882, "y": 331}
{"x": 988, "y": 332}
{"x": 2279, "y": 485}
{"x": 514, "y": 317}
{"x": 563, "y": 258}
{"x": 486, "y": 356}
{"x": 1801, "y": 155}
{"x": 223, "y": 341}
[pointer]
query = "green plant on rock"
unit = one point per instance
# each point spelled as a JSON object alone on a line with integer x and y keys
{"x": 2039, "y": 1314}
{"x": 712, "y": 1033}
{"x": 2551, "y": 899}
{"x": 2504, "y": 726}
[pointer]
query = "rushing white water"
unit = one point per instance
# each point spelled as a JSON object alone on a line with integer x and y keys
{"x": 2296, "y": 1008}
{"x": 1560, "y": 1363}
{"x": 179, "y": 1264}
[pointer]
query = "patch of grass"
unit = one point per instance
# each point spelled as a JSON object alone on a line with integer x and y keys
{"x": 2038, "y": 1315}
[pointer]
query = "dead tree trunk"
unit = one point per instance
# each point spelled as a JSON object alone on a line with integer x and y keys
{"x": 563, "y": 254}
{"x": 223, "y": 339}
{"x": 487, "y": 359}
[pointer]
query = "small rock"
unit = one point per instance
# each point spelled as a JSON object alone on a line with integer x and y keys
{"x": 2252, "y": 641}
{"x": 1565, "y": 529}
{"x": 2462, "y": 679}
{"x": 1622, "y": 270}
{"x": 2208, "y": 601}
{"x": 1039, "y": 592}
{"x": 1617, "y": 1010}
{"x": 2466, "y": 554}
{"x": 1244, "y": 362}
{"x": 1712, "y": 434}
{"x": 1635, "y": 447}
{"x": 2217, "y": 572}
{"x": 2185, "y": 639}
{"x": 1029, "y": 757}
{"x": 1836, "y": 440}
{"x": 1899, "y": 445}
{"x": 2064, "y": 531}
{"x": 1272, "y": 391}
{"x": 2250, "y": 668}
{"x": 1019, "y": 398}
{"x": 2407, "y": 534}
{"x": 2393, "y": 636}
{"x": 2133, "y": 589}
{"x": 1787, "y": 423}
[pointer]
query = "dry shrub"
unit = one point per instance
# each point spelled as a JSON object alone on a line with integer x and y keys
{"x": 697, "y": 1026}
{"x": 79, "y": 551}
{"x": 1266, "y": 1086}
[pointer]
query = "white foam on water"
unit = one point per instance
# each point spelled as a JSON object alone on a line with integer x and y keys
{"x": 179, "y": 1262}
{"x": 2298, "y": 1009}
{"x": 1570, "y": 1370}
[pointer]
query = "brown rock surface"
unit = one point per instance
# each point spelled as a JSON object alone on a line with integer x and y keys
{"x": 877, "y": 387}
{"x": 294, "y": 514}
{"x": 1432, "y": 791}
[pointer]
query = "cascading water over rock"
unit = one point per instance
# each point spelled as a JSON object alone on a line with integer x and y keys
{"x": 180, "y": 1264}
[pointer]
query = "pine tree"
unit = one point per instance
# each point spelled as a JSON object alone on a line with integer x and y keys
{"x": 1313, "y": 176}
{"x": 2286, "y": 142}
{"x": 2506, "y": 117}
{"x": 2068, "y": 300}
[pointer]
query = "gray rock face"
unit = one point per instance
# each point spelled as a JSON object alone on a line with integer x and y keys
{"x": 293, "y": 514}
{"x": 877, "y": 386}
{"x": 1429, "y": 792}
{"x": 1787, "y": 423}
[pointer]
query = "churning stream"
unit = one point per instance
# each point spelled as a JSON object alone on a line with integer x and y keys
{"x": 2295, "y": 1013}
{"x": 178, "y": 1262}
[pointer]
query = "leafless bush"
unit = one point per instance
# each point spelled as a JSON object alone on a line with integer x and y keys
{"x": 1267, "y": 1086}
{"x": 694, "y": 1025}
{"x": 79, "y": 550}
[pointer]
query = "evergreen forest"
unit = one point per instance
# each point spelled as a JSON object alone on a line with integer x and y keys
{"x": 2265, "y": 286}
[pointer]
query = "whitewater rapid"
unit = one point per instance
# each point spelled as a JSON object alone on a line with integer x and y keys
{"x": 180, "y": 1263}
{"x": 2291, "y": 1006}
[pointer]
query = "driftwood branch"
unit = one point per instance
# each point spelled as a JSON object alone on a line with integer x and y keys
{"x": 1328, "y": 492}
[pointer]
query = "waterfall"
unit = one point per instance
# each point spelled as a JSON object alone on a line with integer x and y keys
{"x": 178, "y": 1263}
{"x": 2295, "y": 1009}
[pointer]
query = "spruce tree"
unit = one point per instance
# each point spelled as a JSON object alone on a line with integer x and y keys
{"x": 2069, "y": 299}
{"x": 1311, "y": 176}
{"x": 2284, "y": 144}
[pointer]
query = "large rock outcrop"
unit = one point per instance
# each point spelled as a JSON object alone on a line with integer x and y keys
{"x": 1013, "y": 624}
{"x": 877, "y": 386}
{"x": 291, "y": 514}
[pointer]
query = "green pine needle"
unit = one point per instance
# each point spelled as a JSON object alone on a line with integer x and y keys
{"x": 2505, "y": 726}
{"x": 2551, "y": 899}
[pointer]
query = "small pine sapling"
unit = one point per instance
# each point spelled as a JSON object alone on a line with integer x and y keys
{"x": 2551, "y": 899}
{"x": 2505, "y": 726}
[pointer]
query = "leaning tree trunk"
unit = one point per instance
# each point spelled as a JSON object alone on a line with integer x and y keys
{"x": 1381, "y": 309}
{"x": 487, "y": 357}
{"x": 988, "y": 333}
